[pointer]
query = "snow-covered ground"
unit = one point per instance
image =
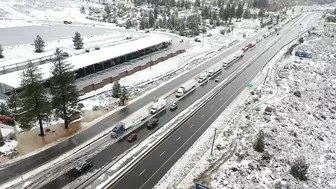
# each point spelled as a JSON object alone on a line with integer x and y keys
{"x": 300, "y": 125}
{"x": 10, "y": 144}
{"x": 26, "y": 51}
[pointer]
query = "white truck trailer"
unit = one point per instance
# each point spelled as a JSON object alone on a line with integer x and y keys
{"x": 214, "y": 69}
{"x": 187, "y": 86}
{"x": 158, "y": 105}
{"x": 134, "y": 119}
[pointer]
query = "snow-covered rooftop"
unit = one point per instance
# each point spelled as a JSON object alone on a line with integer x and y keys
{"x": 115, "y": 51}
{"x": 13, "y": 79}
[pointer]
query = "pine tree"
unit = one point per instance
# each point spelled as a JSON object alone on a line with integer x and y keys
{"x": 82, "y": 10}
{"x": 4, "y": 110}
{"x": 247, "y": 14}
{"x": 34, "y": 100}
{"x": 197, "y": 3}
{"x": 156, "y": 12}
{"x": 13, "y": 104}
{"x": 240, "y": 11}
{"x": 107, "y": 9}
{"x": 151, "y": 19}
{"x": 2, "y": 141}
{"x": 63, "y": 89}
{"x": 1, "y": 52}
{"x": 123, "y": 95}
{"x": 128, "y": 24}
{"x": 78, "y": 41}
{"x": 232, "y": 12}
{"x": 142, "y": 24}
{"x": 39, "y": 44}
{"x": 259, "y": 144}
{"x": 226, "y": 15}
{"x": 116, "y": 89}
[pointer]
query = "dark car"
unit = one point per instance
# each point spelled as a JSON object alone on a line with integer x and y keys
{"x": 173, "y": 107}
{"x": 87, "y": 50}
{"x": 82, "y": 166}
{"x": 152, "y": 123}
{"x": 67, "y": 22}
{"x": 128, "y": 37}
{"x": 197, "y": 40}
{"x": 132, "y": 137}
{"x": 147, "y": 31}
{"x": 97, "y": 48}
{"x": 65, "y": 55}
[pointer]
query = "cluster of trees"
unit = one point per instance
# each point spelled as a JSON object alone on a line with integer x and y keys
{"x": 120, "y": 92}
{"x": 260, "y": 4}
{"x": 39, "y": 44}
{"x": 36, "y": 104}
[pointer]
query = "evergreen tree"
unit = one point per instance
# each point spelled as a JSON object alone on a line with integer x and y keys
{"x": 116, "y": 89}
{"x": 124, "y": 96}
{"x": 34, "y": 99}
{"x": 164, "y": 22}
{"x": 247, "y": 14}
{"x": 259, "y": 144}
{"x": 78, "y": 41}
{"x": 142, "y": 24}
{"x": 13, "y": 103}
{"x": 239, "y": 11}
{"x": 4, "y": 110}
{"x": 232, "y": 12}
{"x": 39, "y": 44}
{"x": 107, "y": 9}
{"x": 197, "y": 3}
{"x": 221, "y": 12}
{"x": 151, "y": 19}
{"x": 63, "y": 89}
{"x": 156, "y": 12}
{"x": 82, "y": 10}
{"x": 1, "y": 51}
{"x": 128, "y": 24}
{"x": 2, "y": 141}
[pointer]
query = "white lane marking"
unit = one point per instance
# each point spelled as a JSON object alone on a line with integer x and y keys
{"x": 162, "y": 153}
{"x": 220, "y": 99}
{"x": 212, "y": 107}
{"x": 191, "y": 126}
{"x": 142, "y": 172}
{"x": 202, "y": 115}
{"x": 117, "y": 149}
{"x": 178, "y": 138}
{"x": 194, "y": 132}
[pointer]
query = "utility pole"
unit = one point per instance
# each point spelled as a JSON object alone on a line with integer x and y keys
{"x": 213, "y": 142}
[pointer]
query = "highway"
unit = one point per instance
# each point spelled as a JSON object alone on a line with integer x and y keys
{"x": 55, "y": 151}
{"x": 116, "y": 149}
{"x": 154, "y": 166}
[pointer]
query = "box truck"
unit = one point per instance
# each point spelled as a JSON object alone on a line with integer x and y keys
{"x": 158, "y": 105}
{"x": 187, "y": 86}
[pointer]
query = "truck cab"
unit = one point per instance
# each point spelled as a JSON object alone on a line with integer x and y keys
{"x": 118, "y": 130}
{"x": 179, "y": 92}
{"x": 202, "y": 77}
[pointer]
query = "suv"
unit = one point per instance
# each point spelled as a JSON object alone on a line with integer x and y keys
{"x": 152, "y": 123}
{"x": 82, "y": 166}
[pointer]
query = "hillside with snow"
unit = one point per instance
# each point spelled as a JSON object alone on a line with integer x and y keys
{"x": 294, "y": 106}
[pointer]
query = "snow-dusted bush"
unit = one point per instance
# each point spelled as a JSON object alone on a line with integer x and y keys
{"x": 259, "y": 144}
{"x": 299, "y": 168}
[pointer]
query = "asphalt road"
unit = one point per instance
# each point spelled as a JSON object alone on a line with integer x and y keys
{"x": 51, "y": 153}
{"x": 116, "y": 149}
{"x": 154, "y": 166}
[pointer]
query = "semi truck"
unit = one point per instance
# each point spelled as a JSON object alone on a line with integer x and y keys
{"x": 187, "y": 86}
{"x": 133, "y": 120}
{"x": 158, "y": 105}
{"x": 202, "y": 77}
{"x": 214, "y": 69}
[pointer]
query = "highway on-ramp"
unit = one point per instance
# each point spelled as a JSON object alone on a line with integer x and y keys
{"x": 153, "y": 167}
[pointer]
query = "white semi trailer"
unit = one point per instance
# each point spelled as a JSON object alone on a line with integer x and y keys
{"x": 187, "y": 86}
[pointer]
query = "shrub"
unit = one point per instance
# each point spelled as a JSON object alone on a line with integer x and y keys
{"x": 47, "y": 130}
{"x": 244, "y": 34}
{"x": 266, "y": 156}
{"x": 259, "y": 144}
{"x": 278, "y": 185}
{"x": 301, "y": 40}
{"x": 297, "y": 93}
{"x": 222, "y": 31}
{"x": 299, "y": 168}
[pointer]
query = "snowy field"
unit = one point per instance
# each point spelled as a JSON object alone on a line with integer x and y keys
{"x": 299, "y": 122}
